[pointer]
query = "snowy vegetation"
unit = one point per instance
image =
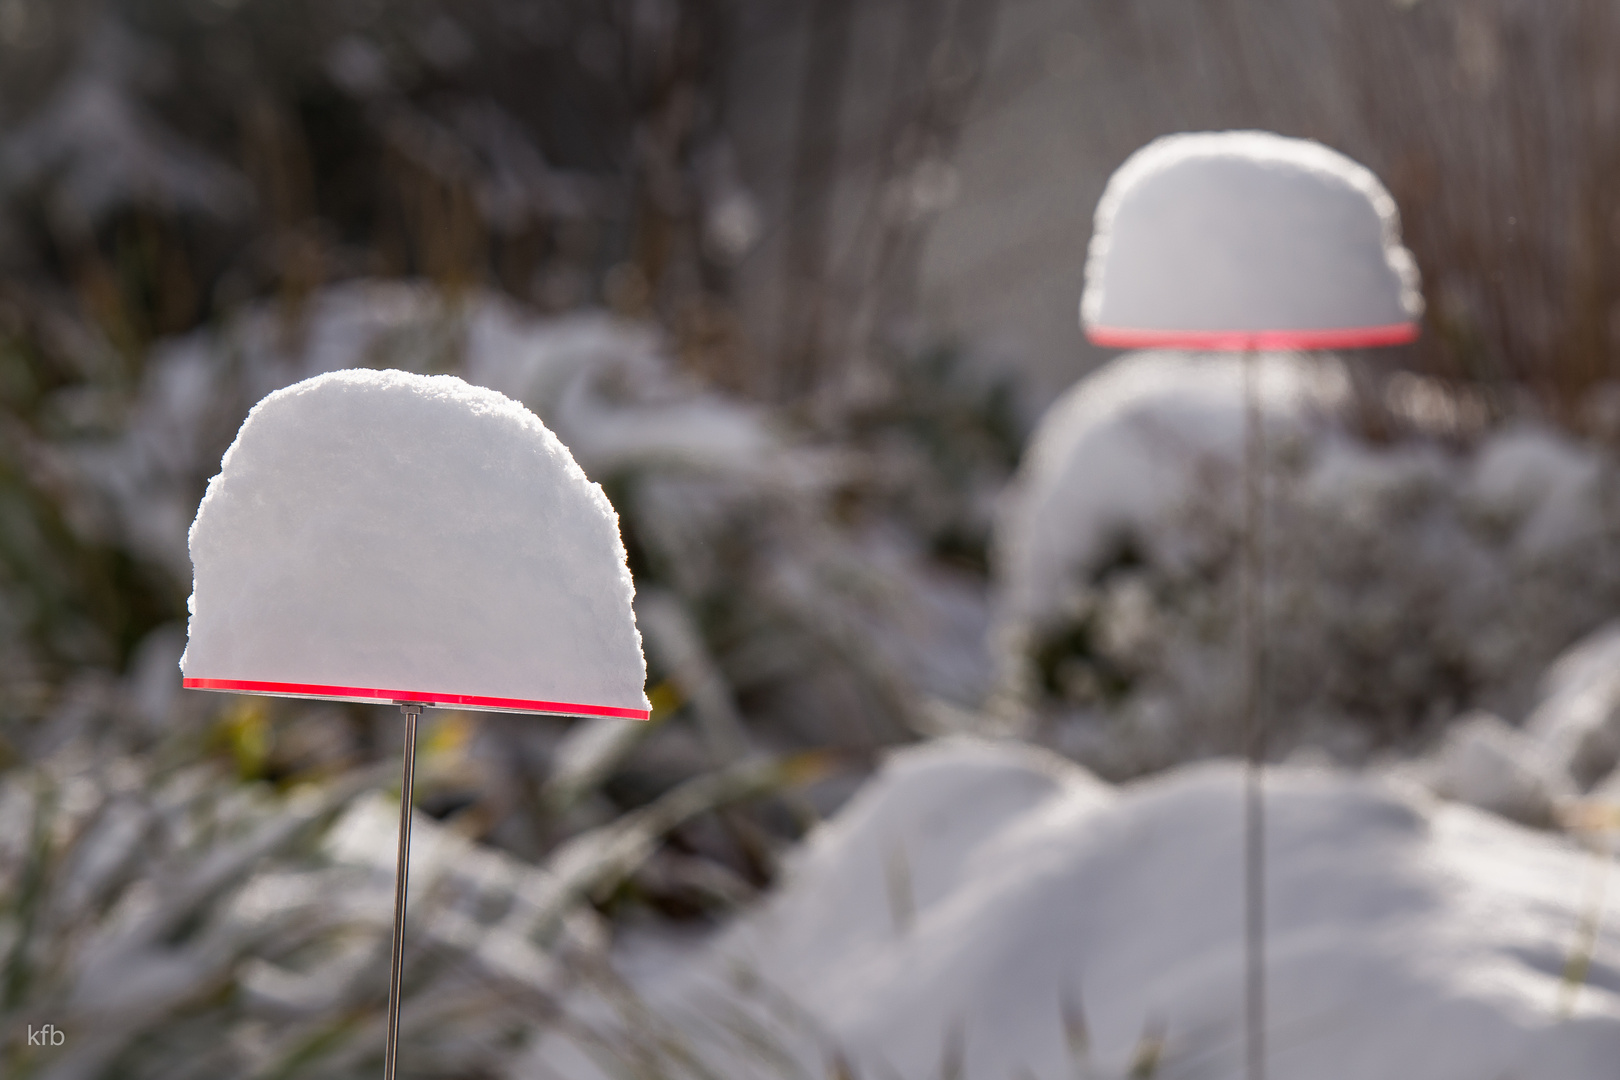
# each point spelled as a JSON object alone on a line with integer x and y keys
{"x": 1407, "y": 581}
{"x": 983, "y": 909}
{"x": 835, "y": 557}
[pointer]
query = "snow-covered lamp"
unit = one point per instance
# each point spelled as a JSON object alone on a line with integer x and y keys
{"x": 382, "y": 536}
{"x": 388, "y": 537}
{"x": 1244, "y": 241}
{"x": 1240, "y": 240}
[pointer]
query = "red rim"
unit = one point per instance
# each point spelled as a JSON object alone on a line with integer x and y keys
{"x": 1353, "y": 337}
{"x": 363, "y": 693}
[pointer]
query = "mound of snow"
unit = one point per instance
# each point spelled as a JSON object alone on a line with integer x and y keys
{"x": 1486, "y": 763}
{"x": 1246, "y": 233}
{"x": 988, "y": 908}
{"x": 1577, "y": 720}
{"x": 378, "y": 534}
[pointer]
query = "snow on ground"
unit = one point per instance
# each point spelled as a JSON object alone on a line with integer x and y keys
{"x": 989, "y": 906}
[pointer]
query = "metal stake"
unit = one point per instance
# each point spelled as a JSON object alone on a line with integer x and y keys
{"x": 401, "y": 873}
{"x": 1254, "y": 722}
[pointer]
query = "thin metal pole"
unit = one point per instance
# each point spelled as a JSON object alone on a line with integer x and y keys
{"x": 402, "y": 870}
{"x": 1254, "y": 722}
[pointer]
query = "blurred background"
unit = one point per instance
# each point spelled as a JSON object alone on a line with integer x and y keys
{"x": 796, "y": 280}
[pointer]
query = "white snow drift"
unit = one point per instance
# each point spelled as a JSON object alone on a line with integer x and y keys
{"x": 987, "y": 904}
{"x": 388, "y": 531}
{"x": 1246, "y": 231}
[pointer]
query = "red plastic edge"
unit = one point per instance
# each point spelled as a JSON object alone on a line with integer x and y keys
{"x": 1353, "y": 337}
{"x": 363, "y": 693}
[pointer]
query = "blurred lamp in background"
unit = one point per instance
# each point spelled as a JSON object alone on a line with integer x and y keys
{"x": 1246, "y": 241}
{"x": 386, "y": 537}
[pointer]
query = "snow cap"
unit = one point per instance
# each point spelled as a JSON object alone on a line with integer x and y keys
{"x": 383, "y": 536}
{"x": 1247, "y": 240}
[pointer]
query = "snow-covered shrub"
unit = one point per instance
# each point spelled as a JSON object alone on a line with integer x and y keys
{"x": 1404, "y": 582}
{"x": 786, "y": 603}
{"x": 776, "y": 616}
{"x": 171, "y": 924}
{"x": 93, "y": 148}
{"x": 174, "y": 923}
{"x": 940, "y": 438}
{"x": 720, "y": 502}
